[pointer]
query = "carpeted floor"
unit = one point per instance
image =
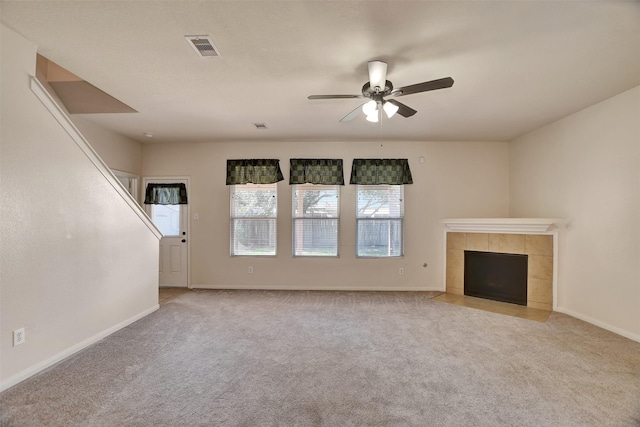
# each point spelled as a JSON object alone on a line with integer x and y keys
{"x": 280, "y": 358}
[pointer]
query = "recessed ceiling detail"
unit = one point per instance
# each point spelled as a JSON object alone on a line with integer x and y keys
{"x": 204, "y": 46}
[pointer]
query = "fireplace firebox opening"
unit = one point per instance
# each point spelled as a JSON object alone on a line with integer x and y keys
{"x": 496, "y": 276}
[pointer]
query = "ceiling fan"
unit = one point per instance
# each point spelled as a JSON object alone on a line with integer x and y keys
{"x": 378, "y": 87}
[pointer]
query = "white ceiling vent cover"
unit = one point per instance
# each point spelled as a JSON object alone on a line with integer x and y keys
{"x": 204, "y": 46}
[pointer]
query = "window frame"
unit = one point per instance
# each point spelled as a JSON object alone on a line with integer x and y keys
{"x": 295, "y": 219}
{"x": 399, "y": 219}
{"x": 233, "y": 219}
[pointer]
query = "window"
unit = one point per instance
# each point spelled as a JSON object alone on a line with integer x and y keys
{"x": 379, "y": 221}
{"x": 167, "y": 219}
{"x": 253, "y": 213}
{"x": 315, "y": 213}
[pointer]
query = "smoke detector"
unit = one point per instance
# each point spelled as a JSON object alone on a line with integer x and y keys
{"x": 204, "y": 46}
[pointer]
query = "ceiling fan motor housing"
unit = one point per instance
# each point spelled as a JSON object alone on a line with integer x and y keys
{"x": 376, "y": 92}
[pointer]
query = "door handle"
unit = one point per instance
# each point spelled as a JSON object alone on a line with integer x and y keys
{"x": 184, "y": 240}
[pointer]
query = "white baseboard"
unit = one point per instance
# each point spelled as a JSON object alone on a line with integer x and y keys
{"x": 318, "y": 288}
{"x": 596, "y": 322}
{"x": 29, "y": 372}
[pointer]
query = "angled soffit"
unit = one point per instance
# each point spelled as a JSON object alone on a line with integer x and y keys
{"x": 77, "y": 95}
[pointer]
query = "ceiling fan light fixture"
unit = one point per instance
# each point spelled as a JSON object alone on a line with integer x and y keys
{"x": 370, "y": 107}
{"x": 377, "y": 74}
{"x": 390, "y": 109}
{"x": 373, "y": 117}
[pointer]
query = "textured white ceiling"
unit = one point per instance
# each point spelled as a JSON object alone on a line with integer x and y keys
{"x": 517, "y": 65}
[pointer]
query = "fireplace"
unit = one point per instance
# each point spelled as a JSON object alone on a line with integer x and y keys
{"x": 534, "y": 237}
{"x": 496, "y": 276}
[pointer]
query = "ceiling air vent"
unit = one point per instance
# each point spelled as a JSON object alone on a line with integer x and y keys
{"x": 204, "y": 46}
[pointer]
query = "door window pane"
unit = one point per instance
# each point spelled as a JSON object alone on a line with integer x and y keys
{"x": 167, "y": 219}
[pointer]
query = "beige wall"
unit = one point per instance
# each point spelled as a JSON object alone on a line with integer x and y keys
{"x": 456, "y": 180}
{"x": 117, "y": 151}
{"x": 586, "y": 168}
{"x": 76, "y": 261}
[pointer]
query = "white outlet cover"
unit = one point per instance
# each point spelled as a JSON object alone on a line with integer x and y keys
{"x": 19, "y": 337}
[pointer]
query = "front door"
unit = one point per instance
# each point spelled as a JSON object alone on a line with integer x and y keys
{"x": 172, "y": 221}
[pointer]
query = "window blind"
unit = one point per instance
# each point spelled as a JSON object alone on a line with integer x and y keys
{"x": 253, "y": 219}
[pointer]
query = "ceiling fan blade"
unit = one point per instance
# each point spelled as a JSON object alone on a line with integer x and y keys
{"x": 424, "y": 87}
{"x": 333, "y": 96}
{"x": 403, "y": 110}
{"x": 377, "y": 74}
{"x": 352, "y": 115}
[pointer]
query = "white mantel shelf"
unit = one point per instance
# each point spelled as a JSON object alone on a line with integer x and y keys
{"x": 503, "y": 225}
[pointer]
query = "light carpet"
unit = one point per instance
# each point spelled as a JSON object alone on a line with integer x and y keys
{"x": 286, "y": 358}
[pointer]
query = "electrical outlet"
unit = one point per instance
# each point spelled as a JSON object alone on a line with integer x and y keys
{"x": 19, "y": 337}
{"x": 401, "y": 271}
{"x": 250, "y": 270}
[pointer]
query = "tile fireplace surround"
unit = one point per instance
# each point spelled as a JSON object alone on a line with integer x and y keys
{"x": 535, "y": 237}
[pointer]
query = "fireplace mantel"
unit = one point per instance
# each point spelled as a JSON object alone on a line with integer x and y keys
{"x": 503, "y": 225}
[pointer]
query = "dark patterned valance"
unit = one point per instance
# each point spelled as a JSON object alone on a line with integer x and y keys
{"x": 316, "y": 171}
{"x": 166, "y": 194}
{"x": 380, "y": 171}
{"x": 254, "y": 171}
